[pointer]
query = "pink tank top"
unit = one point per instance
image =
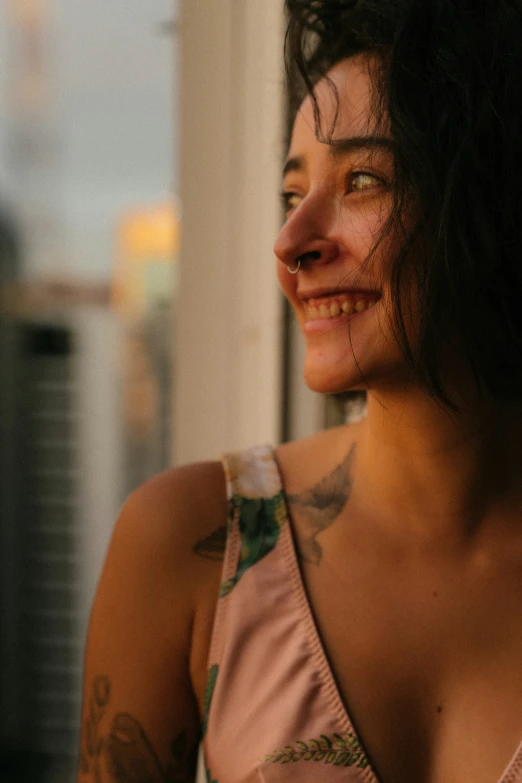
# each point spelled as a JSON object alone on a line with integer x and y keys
{"x": 273, "y": 711}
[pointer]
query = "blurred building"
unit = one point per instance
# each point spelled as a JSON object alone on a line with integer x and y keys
{"x": 86, "y": 414}
{"x": 63, "y": 471}
{"x": 85, "y": 387}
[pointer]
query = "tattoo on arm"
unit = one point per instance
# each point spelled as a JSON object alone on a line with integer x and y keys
{"x": 213, "y": 547}
{"x": 320, "y": 506}
{"x": 126, "y": 753}
{"x": 92, "y": 743}
{"x": 131, "y": 757}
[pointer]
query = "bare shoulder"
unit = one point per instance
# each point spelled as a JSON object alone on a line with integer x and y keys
{"x": 181, "y": 507}
{"x": 171, "y": 529}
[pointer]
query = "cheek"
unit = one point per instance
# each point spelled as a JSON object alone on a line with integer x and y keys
{"x": 360, "y": 230}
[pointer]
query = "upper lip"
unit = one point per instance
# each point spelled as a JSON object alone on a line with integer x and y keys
{"x": 318, "y": 293}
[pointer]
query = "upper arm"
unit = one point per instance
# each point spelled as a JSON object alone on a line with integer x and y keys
{"x": 140, "y": 719}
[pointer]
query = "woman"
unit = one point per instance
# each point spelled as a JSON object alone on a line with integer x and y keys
{"x": 347, "y": 607}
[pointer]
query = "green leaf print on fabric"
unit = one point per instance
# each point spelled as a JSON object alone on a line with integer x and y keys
{"x": 208, "y": 773}
{"x": 207, "y": 698}
{"x": 260, "y": 523}
{"x": 339, "y": 751}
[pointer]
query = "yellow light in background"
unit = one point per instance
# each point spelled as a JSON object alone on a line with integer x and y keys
{"x": 147, "y": 244}
{"x": 150, "y": 233}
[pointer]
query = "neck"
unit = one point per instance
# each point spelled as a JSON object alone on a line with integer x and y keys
{"x": 436, "y": 471}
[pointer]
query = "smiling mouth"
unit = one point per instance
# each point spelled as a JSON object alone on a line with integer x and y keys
{"x": 336, "y": 306}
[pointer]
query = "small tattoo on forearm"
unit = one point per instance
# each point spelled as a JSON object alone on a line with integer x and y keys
{"x": 127, "y": 753}
{"x": 132, "y": 759}
{"x": 91, "y": 749}
{"x": 213, "y": 547}
{"x": 320, "y": 506}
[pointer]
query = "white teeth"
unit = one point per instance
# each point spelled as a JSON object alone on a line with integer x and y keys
{"x": 336, "y": 308}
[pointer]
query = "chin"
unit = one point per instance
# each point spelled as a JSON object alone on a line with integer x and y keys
{"x": 333, "y": 380}
{"x": 365, "y": 361}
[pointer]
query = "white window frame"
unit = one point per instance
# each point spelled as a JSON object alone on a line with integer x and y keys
{"x": 229, "y": 316}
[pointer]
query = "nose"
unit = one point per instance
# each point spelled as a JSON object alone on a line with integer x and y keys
{"x": 304, "y": 238}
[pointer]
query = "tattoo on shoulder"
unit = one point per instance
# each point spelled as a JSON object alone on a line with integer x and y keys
{"x": 126, "y": 754}
{"x": 320, "y": 506}
{"x": 213, "y": 547}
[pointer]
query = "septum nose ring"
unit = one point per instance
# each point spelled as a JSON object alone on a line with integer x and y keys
{"x": 298, "y": 267}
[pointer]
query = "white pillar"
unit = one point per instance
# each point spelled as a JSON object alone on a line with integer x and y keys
{"x": 228, "y": 356}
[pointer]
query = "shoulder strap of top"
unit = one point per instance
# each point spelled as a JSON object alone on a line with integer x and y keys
{"x": 253, "y": 473}
{"x": 256, "y": 515}
{"x": 257, "y": 507}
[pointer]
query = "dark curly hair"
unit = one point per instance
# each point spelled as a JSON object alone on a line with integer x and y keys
{"x": 449, "y": 80}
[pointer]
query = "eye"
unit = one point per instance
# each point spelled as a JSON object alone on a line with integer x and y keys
{"x": 362, "y": 180}
{"x": 289, "y": 200}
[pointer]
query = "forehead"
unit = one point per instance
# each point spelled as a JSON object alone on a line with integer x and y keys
{"x": 343, "y": 98}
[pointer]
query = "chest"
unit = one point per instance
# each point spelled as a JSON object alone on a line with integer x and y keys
{"x": 428, "y": 661}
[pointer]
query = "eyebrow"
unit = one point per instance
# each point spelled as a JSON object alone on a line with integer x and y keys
{"x": 294, "y": 164}
{"x": 340, "y": 148}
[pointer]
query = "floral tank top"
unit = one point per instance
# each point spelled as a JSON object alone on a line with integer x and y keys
{"x": 273, "y": 711}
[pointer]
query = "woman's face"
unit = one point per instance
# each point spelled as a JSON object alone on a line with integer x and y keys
{"x": 337, "y": 199}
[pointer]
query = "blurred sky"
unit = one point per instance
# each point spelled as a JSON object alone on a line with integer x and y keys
{"x": 111, "y": 69}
